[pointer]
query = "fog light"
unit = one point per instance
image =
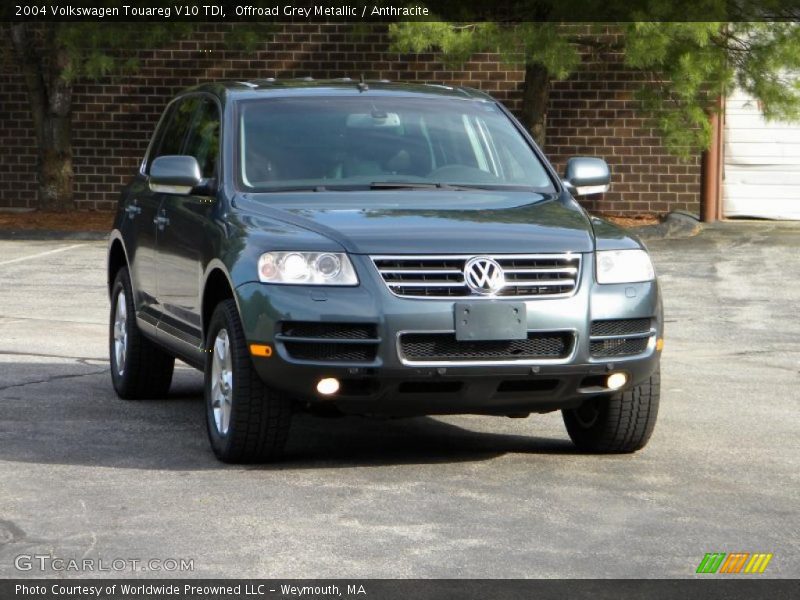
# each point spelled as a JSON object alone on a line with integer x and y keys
{"x": 328, "y": 386}
{"x": 616, "y": 380}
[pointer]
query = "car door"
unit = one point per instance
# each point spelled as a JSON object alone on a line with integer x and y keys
{"x": 187, "y": 229}
{"x": 142, "y": 206}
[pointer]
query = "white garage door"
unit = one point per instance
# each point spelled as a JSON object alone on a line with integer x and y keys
{"x": 762, "y": 163}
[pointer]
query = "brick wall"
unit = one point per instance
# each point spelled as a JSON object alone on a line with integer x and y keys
{"x": 593, "y": 113}
{"x": 590, "y": 114}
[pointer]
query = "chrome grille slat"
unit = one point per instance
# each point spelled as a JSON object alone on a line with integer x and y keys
{"x": 442, "y": 276}
{"x": 419, "y": 271}
{"x": 535, "y": 282}
{"x": 425, "y": 283}
{"x": 570, "y": 270}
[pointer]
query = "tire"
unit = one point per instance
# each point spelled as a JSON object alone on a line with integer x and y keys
{"x": 246, "y": 420}
{"x": 616, "y": 424}
{"x": 139, "y": 368}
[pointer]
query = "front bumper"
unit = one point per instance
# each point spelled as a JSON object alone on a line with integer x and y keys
{"x": 391, "y": 384}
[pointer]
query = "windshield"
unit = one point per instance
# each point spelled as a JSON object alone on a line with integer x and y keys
{"x": 382, "y": 142}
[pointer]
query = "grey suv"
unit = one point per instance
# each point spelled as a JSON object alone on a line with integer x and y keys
{"x": 377, "y": 249}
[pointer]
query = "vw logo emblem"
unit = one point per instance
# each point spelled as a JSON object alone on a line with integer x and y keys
{"x": 483, "y": 275}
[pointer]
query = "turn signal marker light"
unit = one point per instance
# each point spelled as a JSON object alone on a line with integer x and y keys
{"x": 262, "y": 350}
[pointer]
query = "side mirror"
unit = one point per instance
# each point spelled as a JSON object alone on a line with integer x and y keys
{"x": 173, "y": 174}
{"x": 587, "y": 175}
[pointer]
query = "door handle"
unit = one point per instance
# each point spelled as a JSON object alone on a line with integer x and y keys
{"x": 132, "y": 210}
{"x": 161, "y": 221}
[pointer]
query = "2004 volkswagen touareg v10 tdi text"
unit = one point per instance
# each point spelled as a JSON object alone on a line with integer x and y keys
{"x": 379, "y": 249}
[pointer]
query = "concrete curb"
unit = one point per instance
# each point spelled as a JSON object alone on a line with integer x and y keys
{"x": 675, "y": 226}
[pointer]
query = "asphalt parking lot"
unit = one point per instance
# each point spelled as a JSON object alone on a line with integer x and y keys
{"x": 85, "y": 475}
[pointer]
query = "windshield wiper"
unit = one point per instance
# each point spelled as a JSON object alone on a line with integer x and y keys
{"x": 293, "y": 188}
{"x": 460, "y": 187}
{"x": 412, "y": 185}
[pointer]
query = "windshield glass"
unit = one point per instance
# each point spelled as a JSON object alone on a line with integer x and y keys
{"x": 368, "y": 142}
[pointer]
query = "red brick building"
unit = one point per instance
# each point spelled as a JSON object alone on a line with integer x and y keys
{"x": 591, "y": 113}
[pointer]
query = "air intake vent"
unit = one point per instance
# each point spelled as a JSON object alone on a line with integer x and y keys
{"x": 620, "y": 327}
{"x": 620, "y": 337}
{"x": 329, "y": 342}
{"x": 327, "y": 331}
{"x": 620, "y": 347}
{"x": 439, "y": 347}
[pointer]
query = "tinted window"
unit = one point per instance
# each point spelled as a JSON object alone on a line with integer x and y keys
{"x": 203, "y": 140}
{"x": 178, "y": 121}
{"x": 351, "y": 141}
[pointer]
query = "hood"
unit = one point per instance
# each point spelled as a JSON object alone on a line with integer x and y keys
{"x": 432, "y": 222}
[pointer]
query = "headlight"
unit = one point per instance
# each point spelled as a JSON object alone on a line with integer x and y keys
{"x": 309, "y": 268}
{"x": 624, "y": 266}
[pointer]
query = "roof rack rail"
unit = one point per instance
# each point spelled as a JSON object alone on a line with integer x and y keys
{"x": 249, "y": 84}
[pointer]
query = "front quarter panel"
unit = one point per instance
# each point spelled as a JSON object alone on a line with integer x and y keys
{"x": 612, "y": 237}
{"x": 250, "y": 235}
{"x": 611, "y": 301}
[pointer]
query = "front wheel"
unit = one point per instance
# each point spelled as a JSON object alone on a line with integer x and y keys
{"x": 616, "y": 424}
{"x": 246, "y": 420}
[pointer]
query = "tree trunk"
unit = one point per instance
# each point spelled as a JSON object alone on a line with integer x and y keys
{"x": 50, "y": 96}
{"x": 535, "y": 95}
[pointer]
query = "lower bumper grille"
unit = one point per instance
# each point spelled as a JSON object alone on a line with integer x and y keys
{"x": 330, "y": 352}
{"x": 619, "y": 337}
{"x": 438, "y": 347}
{"x": 329, "y": 342}
{"x": 620, "y": 327}
{"x": 622, "y": 347}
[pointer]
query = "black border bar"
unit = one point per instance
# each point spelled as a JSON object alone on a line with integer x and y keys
{"x": 711, "y": 588}
{"x": 354, "y": 11}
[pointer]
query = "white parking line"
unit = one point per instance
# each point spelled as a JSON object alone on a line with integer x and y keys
{"x": 37, "y": 255}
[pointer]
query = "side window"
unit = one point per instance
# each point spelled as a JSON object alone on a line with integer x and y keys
{"x": 163, "y": 124}
{"x": 174, "y": 132}
{"x": 203, "y": 140}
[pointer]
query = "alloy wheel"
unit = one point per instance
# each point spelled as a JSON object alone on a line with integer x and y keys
{"x": 120, "y": 332}
{"x": 221, "y": 382}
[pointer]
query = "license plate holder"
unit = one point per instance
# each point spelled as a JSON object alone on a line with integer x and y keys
{"x": 481, "y": 321}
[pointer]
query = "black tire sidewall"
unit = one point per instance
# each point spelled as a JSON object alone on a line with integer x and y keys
{"x": 591, "y": 436}
{"x": 619, "y": 427}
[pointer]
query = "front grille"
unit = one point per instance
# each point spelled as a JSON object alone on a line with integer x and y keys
{"x": 437, "y": 347}
{"x": 529, "y": 275}
{"x": 618, "y": 347}
{"x": 620, "y": 327}
{"x": 329, "y": 342}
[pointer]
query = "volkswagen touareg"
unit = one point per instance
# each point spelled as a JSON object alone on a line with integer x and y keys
{"x": 376, "y": 249}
